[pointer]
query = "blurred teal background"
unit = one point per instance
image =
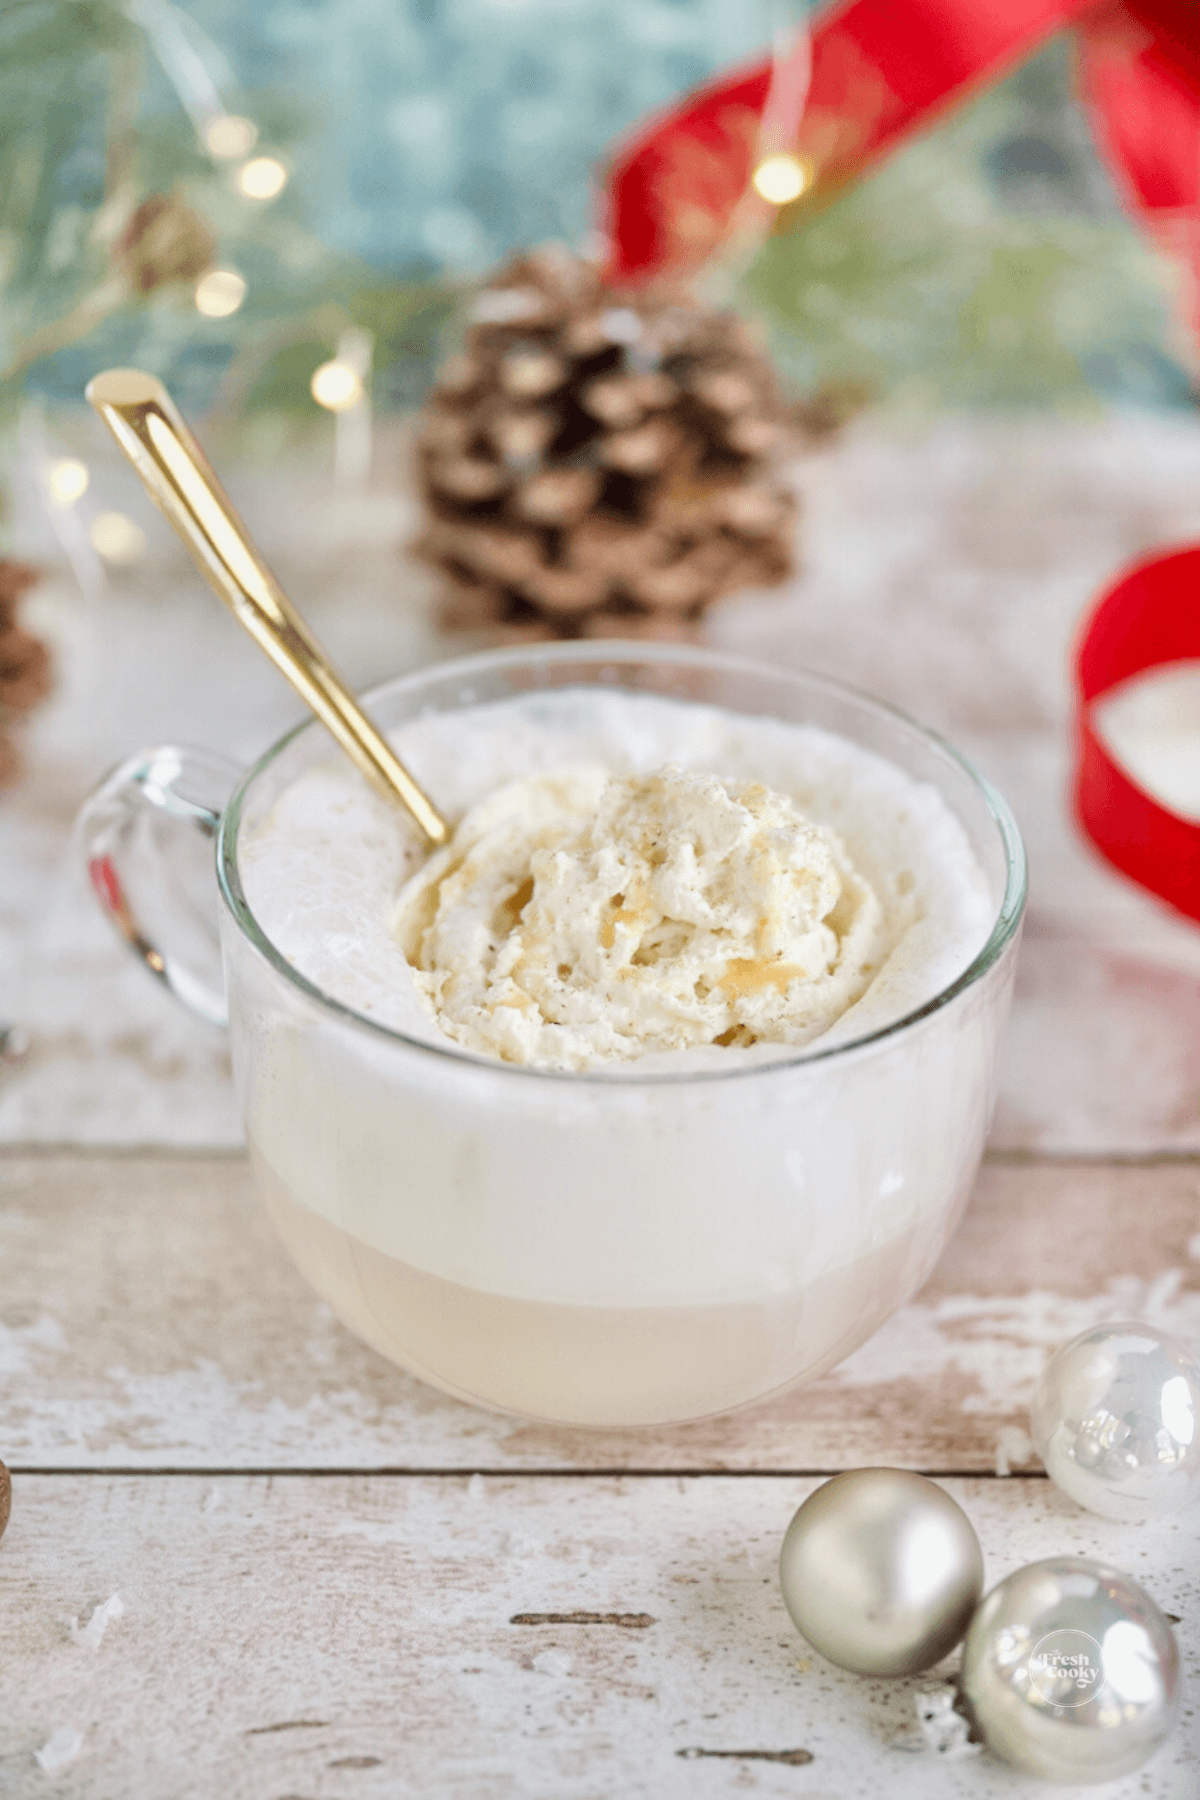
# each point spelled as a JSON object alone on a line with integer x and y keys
{"x": 988, "y": 265}
{"x": 448, "y": 132}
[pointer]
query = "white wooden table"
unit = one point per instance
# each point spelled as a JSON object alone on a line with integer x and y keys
{"x": 337, "y": 1583}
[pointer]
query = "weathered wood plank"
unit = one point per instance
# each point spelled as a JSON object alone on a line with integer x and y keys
{"x": 148, "y": 1319}
{"x": 354, "y": 1636}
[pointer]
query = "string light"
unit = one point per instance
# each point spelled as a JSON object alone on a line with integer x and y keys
{"x": 227, "y": 137}
{"x": 219, "y": 293}
{"x": 781, "y": 178}
{"x": 68, "y": 480}
{"x": 261, "y": 178}
{"x": 116, "y": 538}
{"x": 336, "y": 385}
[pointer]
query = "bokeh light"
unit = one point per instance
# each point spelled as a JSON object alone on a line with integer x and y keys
{"x": 219, "y": 293}
{"x": 261, "y": 178}
{"x": 116, "y": 538}
{"x": 336, "y": 385}
{"x": 781, "y": 178}
{"x": 227, "y": 137}
{"x": 68, "y": 480}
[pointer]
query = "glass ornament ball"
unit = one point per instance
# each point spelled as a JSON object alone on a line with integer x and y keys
{"x": 1071, "y": 1673}
{"x": 1116, "y": 1420}
{"x": 881, "y": 1571}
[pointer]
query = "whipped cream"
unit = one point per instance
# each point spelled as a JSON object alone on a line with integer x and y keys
{"x": 581, "y": 916}
{"x": 323, "y": 863}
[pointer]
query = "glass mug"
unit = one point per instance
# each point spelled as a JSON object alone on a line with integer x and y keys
{"x": 599, "y": 1248}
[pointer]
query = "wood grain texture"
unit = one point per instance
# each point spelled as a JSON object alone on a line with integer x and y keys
{"x": 551, "y": 1631}
{"x": 353, "y": 1637}
{"x": 148, "y": 1319}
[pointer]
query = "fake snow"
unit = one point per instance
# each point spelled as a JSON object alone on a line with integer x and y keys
{"x": 60, "y": 1748}
{"x": 944, "y": 1729}
{"x": 552, "y": 1662}
{"x": 89, "y": 1636}
{"x": 1013, "y": 1445}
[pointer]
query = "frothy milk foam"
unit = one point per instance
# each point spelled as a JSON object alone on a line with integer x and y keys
{"x": 570, "y": 1247}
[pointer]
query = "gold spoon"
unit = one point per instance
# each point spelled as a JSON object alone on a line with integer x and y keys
{"x": 178, "y": 477}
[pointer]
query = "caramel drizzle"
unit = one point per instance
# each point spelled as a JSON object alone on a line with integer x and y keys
{"x": 749, "y": 974}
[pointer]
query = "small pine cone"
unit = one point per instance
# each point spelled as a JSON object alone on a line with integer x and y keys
{"x": 599, "y": 461}
{"x": 25, "y": 667}
{"x": 164, "y": 241}
{"x": 25, "y": 670}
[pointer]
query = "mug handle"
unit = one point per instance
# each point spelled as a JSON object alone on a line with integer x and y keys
{"x": 147, "y": 834}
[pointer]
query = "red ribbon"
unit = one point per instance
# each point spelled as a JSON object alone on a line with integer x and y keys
{"x": 1150, "y": 617}
{"x": 1140, "y": 75}
{"x": 880, "y": 69}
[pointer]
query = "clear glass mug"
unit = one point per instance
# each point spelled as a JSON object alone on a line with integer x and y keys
{"x": 606, "y": 1248}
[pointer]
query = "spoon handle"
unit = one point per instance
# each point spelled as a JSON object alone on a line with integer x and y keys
{"x": 178, "y": 477}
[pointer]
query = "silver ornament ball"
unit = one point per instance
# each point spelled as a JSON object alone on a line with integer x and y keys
{"x": 1116, "y": 1420}
{"x": 881, "y": 1571}
{"x": 1071, "y": 1672}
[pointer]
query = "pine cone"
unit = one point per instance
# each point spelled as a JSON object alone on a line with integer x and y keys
{"x": 599, "y": 464}
{"x": 25, "y": 672}
{"x": 164, "y": 241}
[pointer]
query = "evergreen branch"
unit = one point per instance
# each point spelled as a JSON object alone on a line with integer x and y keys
{"x": 91, "y": 311}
